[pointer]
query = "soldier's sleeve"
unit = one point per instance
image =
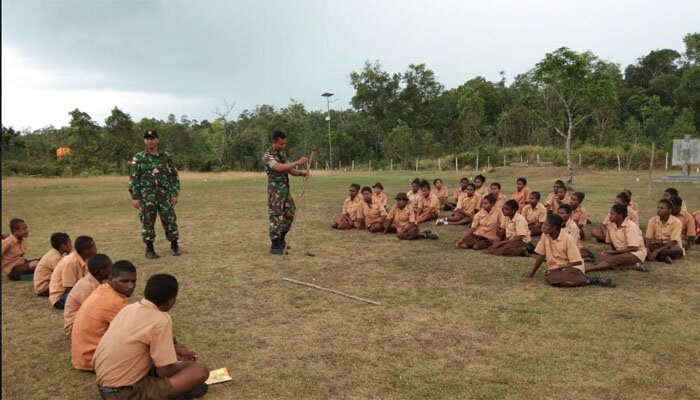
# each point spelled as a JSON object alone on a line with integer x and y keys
{"x": 269, "y": 160}
{"x": 174, "y": 178}
{"x": 135, "y": 179}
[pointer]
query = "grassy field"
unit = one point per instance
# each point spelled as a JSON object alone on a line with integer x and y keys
{"x": 452, "y": 324}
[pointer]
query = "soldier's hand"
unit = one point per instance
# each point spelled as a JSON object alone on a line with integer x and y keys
{"x": 303, "y": 160}
{"x": 173, "y": 200}
{"x": 137, "y": 204}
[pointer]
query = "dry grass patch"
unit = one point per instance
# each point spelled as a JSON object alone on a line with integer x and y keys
{"x": 453, "y": 324}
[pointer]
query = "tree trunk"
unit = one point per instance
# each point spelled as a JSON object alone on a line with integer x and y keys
{"x": 569, "y": 163}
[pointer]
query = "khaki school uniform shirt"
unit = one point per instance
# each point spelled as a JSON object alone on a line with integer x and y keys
{"x": 517, "y": 226}
{"x": 469, "y": 204}
{"x": 687, "y": 223}
{"x": 553, "y": 201}
{"x": 429, "y": 205}
{"x": 631, "y": 214}
{"x": 138, "y": 338}
{"x": 84, "y": 288}
{"x": 522, "y": 196}
{"x": 559, "y": 251}
{"x": 413, "y": 198}
{"x": 536, "y": 215}
{"x": 43, "y": 271}
{"x": 12, "y": 253}
{"x": 458, "y": 192}
{"x": 627, "y": 235}
{"x": 659, "y": 232}
{"x": 381, "y": 199}
{"x": 350, "y": 207}
{"x": 634, "y": 206}
{"x": 441, "y": 194}
{"x": 486, "y": 224}
{"x": 572, "y": 229}
{"x": 67, "y": 273}
{"x": 481, "y": 192}
{"x": 501, "y": 201}
{"x": 91, "y": 323}
{"x": 579, "y": 215}
{"x": 372, "y": 213}
{"x": 402, "y": 218}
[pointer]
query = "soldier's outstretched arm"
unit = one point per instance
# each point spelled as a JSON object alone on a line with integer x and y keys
{"x": 279, "y": 167}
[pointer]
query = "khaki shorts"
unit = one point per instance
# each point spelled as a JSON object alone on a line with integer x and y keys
{"x": 149, "y": 387}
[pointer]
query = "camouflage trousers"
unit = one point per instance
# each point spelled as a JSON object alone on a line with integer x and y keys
{"x": 281, "y": 208}
{"x": 158, "y": 205}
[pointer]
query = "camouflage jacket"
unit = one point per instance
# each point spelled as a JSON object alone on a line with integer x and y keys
{"x": 274, "y": 178}
{"x": 153, "y": 174}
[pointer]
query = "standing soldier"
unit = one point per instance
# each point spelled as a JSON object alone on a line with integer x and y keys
{"x": 280, "y": 205}
{"x": 154, "y": 187}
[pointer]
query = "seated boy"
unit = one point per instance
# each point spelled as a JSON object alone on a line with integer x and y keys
{"x": 563, "y": 260}
{"x": 625, "y": 238}
{"x": 522, "y": 193}
{"x": 467, "y": 205}
{"x": 458, "y": 192}
{"x": 99, "y": 268}
{"x": 663, "y": 236}
{"x": 348, "y": 220}
{"x": 517, "y": 235}
{"x": 560, "y": 197}
{"x": 550, "y": 196}
{"x": 687, "y": 222}
{"x": 484, "y": 230}
{"x": 379, "y": 195}
{"x": 578, "y": 213}
{"x": 69, "y": 271}
{"x": 137, "y": 357}
{"x": 673, "y": 192}
{"x": 534, "y": 213}
{"x": 440, "y": 191}
{"x": 370, "y": 212}
{"x": 98, "y": 310}
{"x": 479, "y": 188}
{"x": 428, "y": 204}
{"x": 402, "y": 220}
{"x": 42, "y": 274}
{"x": 623, "y": 199}
{"x": 500, "y": 197}
{"x": 413, "y": 194}
{"x": 14, "y": 264}
{"x": 572, "y": 229}
{"x": 633, "y": 204}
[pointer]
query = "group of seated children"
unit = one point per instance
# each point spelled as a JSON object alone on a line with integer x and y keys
{"x": 505, "y": 227}
{"x": 130, "y": 348}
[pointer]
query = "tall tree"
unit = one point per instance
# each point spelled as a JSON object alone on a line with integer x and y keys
{"x": 571, "y": 89}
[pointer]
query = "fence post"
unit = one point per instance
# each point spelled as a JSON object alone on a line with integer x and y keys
{"x": 391, "y": 164}
{"x": 439, "y": 167}
{"x": 521, "y": 158}
{"x": 316, "y": 165}
{"x": 580, "y": 161}
{"x": 456, "y": 167}
{"x": 416, "y": 164}
{"x": 370, "y": 166}
{"x": 352, "y": 169}
{"x": 504, "y": 160}
{"x": 538, "y": 159}
{"x": 618, "y": 162}
{"x": 477, "y": 163}
{"x": 340, "y": 165}
{"x": 488, "y": 162}
{"x": 667, "y": 161}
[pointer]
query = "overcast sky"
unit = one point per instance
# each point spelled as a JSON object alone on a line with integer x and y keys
{"x": 153, "y": 58}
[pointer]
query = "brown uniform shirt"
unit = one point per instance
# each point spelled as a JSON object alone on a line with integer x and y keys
{"x": 659, "y": 232}
{"x": 381, "y": 199}
{"x": 536, "y": 215}
{"x": 91, "y": 323}
{"x": 139, "y": 337}
{"x": 631, "y": 214}
{"x": 486, "y": 224}
{"x": 469, "y": 204}
{"x": 572, "y": 229}
{"x": 481, "y": 192}
{"x": 634, "y": 206}
{"x": 522, "y": 196}
{"x": 429, "y": 205}
{"x": 13, "y": 251}
{"x": 67, "y": 273}
{"x": 501, "y": 201}
{"x": 402, "y": 218}
{"x": 458, "y": 192}
{"x": 627, "y": 235}
{"x": 350, "y": 207}
{"x": 552, "y": 202}
{"x": 43, "y": 271}
{"x": 517, "y": 226}
{"x": 687, "y": 223}
{"x": 413, "y": 198}
{"x": 559, "y": 251}
{"x": 372, "y": 213}
{"x": 81, "y": 291}
{"x": 441, "y": 194}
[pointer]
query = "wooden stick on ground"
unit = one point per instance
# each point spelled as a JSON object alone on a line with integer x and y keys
{"x": 376, "y": 303}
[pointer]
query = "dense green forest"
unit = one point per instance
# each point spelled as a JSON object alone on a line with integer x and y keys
{"x": 567, "y": 99}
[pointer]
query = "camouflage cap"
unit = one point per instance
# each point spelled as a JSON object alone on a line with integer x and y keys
{"x": 150, "y": 133}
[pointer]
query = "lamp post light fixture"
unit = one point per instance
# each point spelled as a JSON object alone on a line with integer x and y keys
{"x": 328, "y": 95}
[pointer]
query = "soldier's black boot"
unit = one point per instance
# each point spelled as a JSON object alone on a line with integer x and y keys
{"x": 150, "y": 251}
{"x": 174, "y": 248}
{"x": 277, "y": 247}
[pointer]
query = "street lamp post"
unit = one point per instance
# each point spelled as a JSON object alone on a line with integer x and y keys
{"x": 328, "y": 95}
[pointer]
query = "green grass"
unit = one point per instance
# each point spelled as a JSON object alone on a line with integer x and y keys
{"x": 453, "y": 323}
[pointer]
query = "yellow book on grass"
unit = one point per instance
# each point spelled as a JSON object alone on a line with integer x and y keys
{"x": 218, "y": 376}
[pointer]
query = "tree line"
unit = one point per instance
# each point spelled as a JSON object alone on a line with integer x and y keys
{"x": 569, "y": 100}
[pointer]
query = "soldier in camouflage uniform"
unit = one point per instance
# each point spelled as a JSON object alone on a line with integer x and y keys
{"x": 154, "y": 187}
{"x": 280, "y": 205}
